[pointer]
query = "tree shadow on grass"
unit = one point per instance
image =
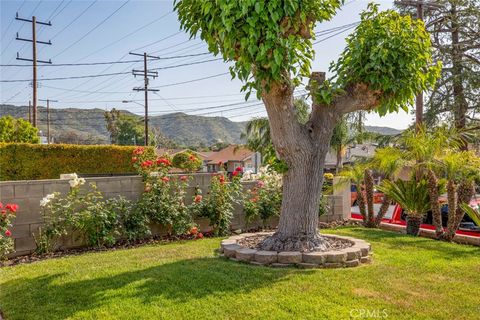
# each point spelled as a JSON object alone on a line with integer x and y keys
{"x": 55, "y": 297}
{"x": 398, "y": 241}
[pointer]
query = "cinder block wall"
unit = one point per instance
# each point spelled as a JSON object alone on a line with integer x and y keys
{"x": 27, "y": 194}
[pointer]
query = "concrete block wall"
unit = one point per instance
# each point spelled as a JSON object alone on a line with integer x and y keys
{"x": 27, "y": 194}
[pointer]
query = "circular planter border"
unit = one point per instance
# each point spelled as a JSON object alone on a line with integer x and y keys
{"x": 359, "y": 253}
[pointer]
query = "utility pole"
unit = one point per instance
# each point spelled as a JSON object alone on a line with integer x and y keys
{"x": 34, "y": 60}
{"x": 30, "y": 111}
{"x": 146, "y": 74}
{"x": 420, "y": 5}
{"x": 48, "y": 117}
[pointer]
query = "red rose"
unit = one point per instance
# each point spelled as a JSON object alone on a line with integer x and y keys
{"x": 198, "y": 198}
{"x": 8, "y": 233}
{"x": 1, "y": 205}
{"x": 4, "y": 212}
{"x": 194, "y": 230}
{"x": 184, "y": 178}
{"x": 239, "y": 169}
{"x": 235, "y": 173}
{"x": 199, "y": 235}
{"x": 134, "y": 159}
{"x": 148, "y": 189}
{"x": 221, "y": 179}
{"x": 192, "y": 158}
{"x": 12, "y": 207}
{"x": 165, "y": 179}
{"x": 138, "y": 150}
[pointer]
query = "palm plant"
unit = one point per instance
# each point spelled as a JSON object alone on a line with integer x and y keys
{"x": 413, "y": 197}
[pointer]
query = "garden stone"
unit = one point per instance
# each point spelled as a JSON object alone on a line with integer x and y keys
{"x": 230, "y": 250}
{"x": 290, "y": 257}
{"x": 245, "y": 254}
{"x": 353, "y": 253}
{"x": 266, "y": 257}
{"x": 352, "y": 263}
{"x": 366, "y": 259}
{"x": 314, "y": 257}
{"x": 336, "y": 257}
{"x": 281, "y": 265}
{"x": 331, "y": 265}
{"x": 304, "y": 265}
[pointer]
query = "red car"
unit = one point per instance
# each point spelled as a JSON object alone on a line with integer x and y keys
{"x": 396, "y": 215}
{"x": 377, "y": 196}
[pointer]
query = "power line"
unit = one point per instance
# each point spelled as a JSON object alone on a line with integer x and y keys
{"x": 193, "y": 80}
{"x": 11, "y": 21}
{"x": 106, "y": 62}
{"x": 109, "y": 74}
{"x": 93, "y": 29}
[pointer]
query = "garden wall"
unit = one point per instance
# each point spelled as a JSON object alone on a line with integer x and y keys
{"x": 27, "y": 194}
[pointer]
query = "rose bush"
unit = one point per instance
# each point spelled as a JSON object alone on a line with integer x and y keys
{"x": 7, "y": 213}
{"x": 164, "y": 198}
{"x": 218, "y": 205}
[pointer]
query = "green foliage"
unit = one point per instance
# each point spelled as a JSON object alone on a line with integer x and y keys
{"x": 21, "y": 161}
{"x": 17, "y": 130}
{"x": 218, "y": 206}
{"x": 411, "y": 195}
{"x": 264, "y": 199}
{"x": 270, "y": 39}
{"x": 85, "y": 215}
{"x": 124, "y": 129}
{"x": 187, "y": 161}
{"x": 7, "y": 213}
{"x": 391, "y": 54}
{"x": 471, "y": 212}
{"x": 164, "y": 197}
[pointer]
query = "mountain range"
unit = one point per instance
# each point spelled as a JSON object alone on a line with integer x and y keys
{"x": 88, "y": 126}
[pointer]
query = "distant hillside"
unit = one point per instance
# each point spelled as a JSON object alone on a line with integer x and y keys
{"x": 88, "y": 125}
{"x": 383, "y": 130}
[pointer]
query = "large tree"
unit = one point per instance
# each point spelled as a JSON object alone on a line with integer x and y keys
{"x": 17, "y": 130}
{"x": 455, "y": 31}
{"x": 386, "y": 62}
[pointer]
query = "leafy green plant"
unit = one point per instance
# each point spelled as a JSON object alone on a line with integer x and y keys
{"x": 187, "y": 161}
{"x": 218, "y": 206}
{"x": 264, "y": 200}
{"x": 471, "y": 212}
{"x": 17, "y": 130}
{"x": 412, "y": 196}
{"x": 164, "y": 197}
{"x": 7, "y": 213}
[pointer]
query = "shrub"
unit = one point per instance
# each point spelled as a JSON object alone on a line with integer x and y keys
{"x": 17, "y": 130}
{"x": 86, "y": 214}
{"x": 265, "y": 198}
{"x": 187, "y": 161}
{"x": 22, "y": 161}
{"x": 219, "y": 205}
{"x": 7, "y": 213}
{"x": 163, "y": 201}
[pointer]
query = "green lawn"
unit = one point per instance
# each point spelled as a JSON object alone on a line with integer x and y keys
{"x": 410, "y": 278}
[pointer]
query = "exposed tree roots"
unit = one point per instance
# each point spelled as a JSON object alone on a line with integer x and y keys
{"x": 302, "y": 243}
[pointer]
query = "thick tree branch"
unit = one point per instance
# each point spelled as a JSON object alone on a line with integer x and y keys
{"x": 357, "y": 97}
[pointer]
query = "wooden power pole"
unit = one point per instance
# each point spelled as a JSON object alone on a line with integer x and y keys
{"x": 30, "y": 111}
{"x": 34, "y": 60}
{"x": 146, "y": 74}
{"x": 48, "y": 117}
{"x": 420, "y": 6}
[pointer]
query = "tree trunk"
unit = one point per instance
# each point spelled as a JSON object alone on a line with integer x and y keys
{"x": 465, "y": 192}
{"x": 339, "y": 163}
{"x": 432, "y": 182}
{"x": 452, "y": 208}
{"x": 304, "y": 152}
{"x": 460, "y": 102}
{"x": 369, "y": 186}
{"x": 383, "y": 210}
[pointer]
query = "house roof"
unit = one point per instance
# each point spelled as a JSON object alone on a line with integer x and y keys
{"x": 230, "y": 153}
{"x": 172, "y": 152}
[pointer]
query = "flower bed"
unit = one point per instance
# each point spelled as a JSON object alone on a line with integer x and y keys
{"x": 351, "y": 253}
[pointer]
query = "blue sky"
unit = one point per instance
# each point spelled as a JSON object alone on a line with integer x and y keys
{"x": 158, "y": 33}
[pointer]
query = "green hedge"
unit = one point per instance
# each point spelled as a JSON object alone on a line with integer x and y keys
{"x": 23, "y": 161}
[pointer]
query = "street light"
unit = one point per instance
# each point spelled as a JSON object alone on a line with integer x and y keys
{"x": 146, "y": 119}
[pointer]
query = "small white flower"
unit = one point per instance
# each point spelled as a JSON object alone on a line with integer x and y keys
{"x": 46, "y": 200}
{"x": 73, "y": 183}
{"x": 81, "y": 181}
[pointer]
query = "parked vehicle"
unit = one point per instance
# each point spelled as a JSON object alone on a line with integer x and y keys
{"x": 377, "y": 196}
{"x": 396, "y": 215}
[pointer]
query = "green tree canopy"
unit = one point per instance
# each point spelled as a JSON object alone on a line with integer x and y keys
{"x": 17, "y": 130}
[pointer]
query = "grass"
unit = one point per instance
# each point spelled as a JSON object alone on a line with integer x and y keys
{"x": 410, "y": 278}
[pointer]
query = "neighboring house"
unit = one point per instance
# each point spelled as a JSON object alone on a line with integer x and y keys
{"x": 232, "y": 157}
{"x": 353, "y": 152}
